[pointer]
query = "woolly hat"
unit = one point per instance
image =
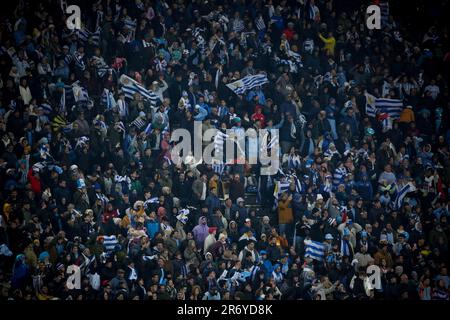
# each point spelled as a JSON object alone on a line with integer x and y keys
{"x": 212, "y": 230}
{"x": 236, "y": 120}
{"x": 383, "y": 239}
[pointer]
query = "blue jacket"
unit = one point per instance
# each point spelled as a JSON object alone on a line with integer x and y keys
{"x": 364, "y": 189}
{"x": 201, "y": 115}
{"x": 268, "y": 268}
{"x": 152, "y": 228}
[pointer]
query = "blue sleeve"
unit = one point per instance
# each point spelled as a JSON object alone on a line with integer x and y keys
{"x": 202, "y": 115}
{"x": 279, "y": 125}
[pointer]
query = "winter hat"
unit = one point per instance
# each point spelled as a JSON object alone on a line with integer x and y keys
{"x": 212, "y": 230}
{"x": 383, "y": 239}
{"x": 81, "y": 184}
{"x": 331, "y": 221}
{"x": 43, "y": 256}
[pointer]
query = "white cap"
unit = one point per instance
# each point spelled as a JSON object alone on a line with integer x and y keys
{"x": 319, "y": 197}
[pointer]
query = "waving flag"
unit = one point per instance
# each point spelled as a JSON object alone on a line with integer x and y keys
{"x": 247, "y": 83}
{"x": 260, "y": 24}
{"x": 314, "y": 250}
{"x": 183, "y": 215}
{"x": 371, "y": 109}
{"x": 407, "y": 188}
{"x": 139, "y": 122}
{"x": 131, "y": 86}
{"x": 219, "y": 141}
{"x": 151, "y": 201}
{"x": 84, "y": 35}
{"x": 283, "y": 186}
{"x": 108, "y": 99}
{"x": 392, "y": 107}
{"x": 79, "y": 93}
{"x": 110, "y": 242}
{"x": 101, "y": 66}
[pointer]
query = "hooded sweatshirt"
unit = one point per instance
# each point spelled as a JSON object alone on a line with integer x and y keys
{"x": 200, "y": 232}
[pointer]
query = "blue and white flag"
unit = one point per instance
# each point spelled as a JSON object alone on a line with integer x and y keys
{"x": 110, "y": 242}
{"x": 151, "y": 201}
{"x": 260, "y": 24}
{"x": 392, "y": 107}
{"x": 131, "y": 26}
{"x": 314, "y": 250}
{"x": 183, "y": 215}
{"x": 283, "y": 186}
{"x": 101, "y": 66}
{"x": 339, "y": 175}
{"x": 247, "y": 83}
{"x": 219, "y": 142}
{"x": 402, "y": 192}
{"x": 81, "y": 142}
{"x": 80, "y": 94}
{"x": 371, "y": 109}
{"x": 384, "y": 10}
{"x": 131, "y": 86}
{"x": 219, "y": 168}
{"x": 108, "y": 99}
{"x": 47, "y": 108}
{"x": 139, "y": 122}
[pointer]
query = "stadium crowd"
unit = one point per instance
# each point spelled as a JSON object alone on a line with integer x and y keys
{"x": 87, "y": 179}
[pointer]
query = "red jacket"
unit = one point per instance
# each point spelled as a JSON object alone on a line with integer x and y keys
{"x": 35, "y": 182}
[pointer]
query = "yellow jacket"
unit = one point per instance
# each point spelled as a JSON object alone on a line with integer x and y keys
{"x": 285, "y": 214}
{"x": 407, "y": 116}
{"x": 330, "y": 44}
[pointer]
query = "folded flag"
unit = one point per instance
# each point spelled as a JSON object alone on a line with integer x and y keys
{"x": 314, "y": 250}
{"x": 247, "y": 83}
